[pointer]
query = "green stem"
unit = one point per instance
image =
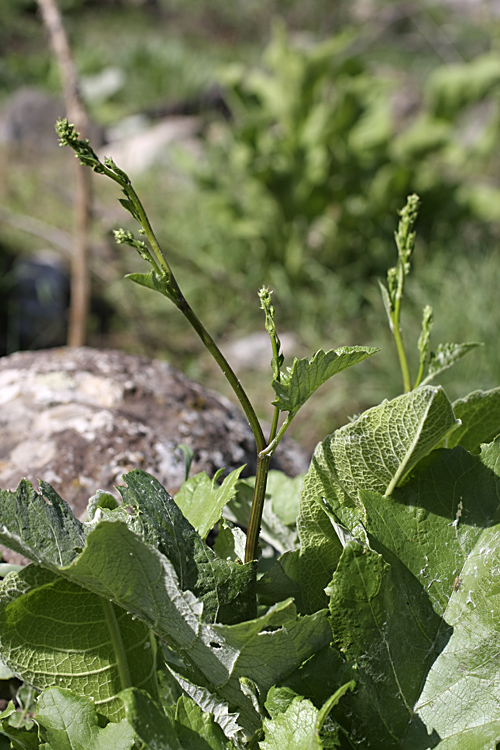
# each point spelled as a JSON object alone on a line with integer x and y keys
{"x": 274, "y": 426}
{"x": 117, "y": 643}
{"x": 146, "y": 225}
{"x": 403, "y": 362}
{"x": 420, "y": 374}
{"x": 257, "y": 508}
{"x": 183, "y": 305}
{"x": 273, "y": 444}
{"x": 398, "y": 338}
{"x": 259, "y": 494}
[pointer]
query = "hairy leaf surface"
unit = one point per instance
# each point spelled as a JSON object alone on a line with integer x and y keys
{"x": 375, "y": 452}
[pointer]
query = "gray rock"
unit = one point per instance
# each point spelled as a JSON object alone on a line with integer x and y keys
{"x": 28, "y": 118}
{"x": 81, "y": 418}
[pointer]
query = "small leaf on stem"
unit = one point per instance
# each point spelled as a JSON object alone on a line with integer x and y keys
{"x": 446, "y": 355}
{"x": 306, "y": 375}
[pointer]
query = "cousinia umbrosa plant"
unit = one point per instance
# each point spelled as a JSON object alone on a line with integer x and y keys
{"x": 292, "y": 387}
{"x": 375, "y": 628}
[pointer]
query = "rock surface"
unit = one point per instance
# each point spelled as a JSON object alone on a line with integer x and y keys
{"x": 81, "y": 418}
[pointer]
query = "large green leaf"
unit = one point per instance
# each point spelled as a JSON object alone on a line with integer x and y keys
{"x": 53, "y": 632}
{"x": 479, "y": 413}
{"x": 460, "y": 697}
{"x": 375, "y": 452}
{"x": 201, "y": 499}
{"x": 226, "y": 589}
{"x": 384, "y": 625}
{"x": 422, "y": 607}
{"x": 126, "y": 561}
{"x": 70, "y": 722}
{"x": 306, "y": 375}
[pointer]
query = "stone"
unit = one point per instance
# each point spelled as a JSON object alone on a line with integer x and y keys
{"x": 80, "y": 418}
{"x": 27, "y": 121}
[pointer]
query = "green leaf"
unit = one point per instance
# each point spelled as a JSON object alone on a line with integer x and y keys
{"x": 231, "y": 541}
{"x": 479, "y": 413}
{"x": 196, "y": 729}
{"x": 306, "y": 375}
{"x": 41, "y": 527}
{"x": 149, "y": 722}
{"x": 211, "y": 704}
{"x": 153, "y": 281}
{"x": 384, "y": 625}
{"x": 445, "y": 356}
{"x": 128, "y": 205}
{"x": 285, "y": 494}
{"x": 393, "y": 607}
{"x": 375, "y": 452}
{"x": 226, "y": 589}
{"x": 460, "y": 700}
{"x": 201, "y": 500}
{"x": 282, "y": 581}
{"x": 294, "y": 729}
{"x": 386, "y": 299}
{"x": 70, "y": 722}
{"x": 44, "y": 617}
{"x": 290, "y": 711}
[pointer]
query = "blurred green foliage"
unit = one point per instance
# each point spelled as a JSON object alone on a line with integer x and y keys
{"x": 300, "y": 189}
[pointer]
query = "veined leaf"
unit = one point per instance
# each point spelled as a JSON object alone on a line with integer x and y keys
{"x": 479, "y": 413}
{"x": 70, "y": 722}
{"x": 411, "y": 611}
{"x": 373, "y": 453}
{"x": 126, "y": 562}
{"x": 198, "y": 730}
{"x": 226, "y": 589}
{"x": 42, "y": 531}
{"x": 45, "y": 618}
{"x": 149, "y": 722}
{"x": 460, "y": 698}
{"x": 201, "y": 500}
{"x": 295, "y": 722}
{"x": 376, "y": 451}
{"x": 384, "y": 625}
{"x": 445, "y": 356}
{"x": 306, "y": 375}
{"x": 212, "y": 704}
{"x": 294, "y": 729}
